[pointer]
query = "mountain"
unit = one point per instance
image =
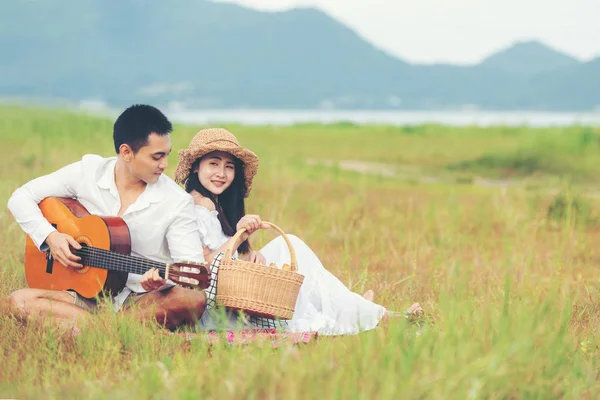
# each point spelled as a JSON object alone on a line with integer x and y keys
{"x": 529, "y": 59}
{"x": 217, "y": 55}
{"x": 573, "y": 88}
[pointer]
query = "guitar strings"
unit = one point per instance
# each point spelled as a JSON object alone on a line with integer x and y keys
{"x": 139, "y": 266}
{"x": 117, "y": 261}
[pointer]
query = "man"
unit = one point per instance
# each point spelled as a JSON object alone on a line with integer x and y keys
{"x": 159, "y": 214}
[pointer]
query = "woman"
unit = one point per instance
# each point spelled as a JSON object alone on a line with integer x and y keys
{"x": 218, "y": 173}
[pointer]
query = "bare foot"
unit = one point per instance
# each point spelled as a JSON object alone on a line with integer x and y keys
{"x": 414, "y": 312}
{"x": 369, "y": 295}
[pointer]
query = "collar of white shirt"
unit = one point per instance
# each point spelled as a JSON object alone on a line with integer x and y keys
{"x": 154, "y": 192}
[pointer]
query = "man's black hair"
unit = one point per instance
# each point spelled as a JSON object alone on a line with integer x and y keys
{"x": 136, "y": 123}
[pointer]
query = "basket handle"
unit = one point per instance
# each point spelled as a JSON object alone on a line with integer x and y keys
{"x": 293, "y": 260}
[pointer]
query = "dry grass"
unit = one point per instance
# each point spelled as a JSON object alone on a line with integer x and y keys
{"x": 510, "y": 289}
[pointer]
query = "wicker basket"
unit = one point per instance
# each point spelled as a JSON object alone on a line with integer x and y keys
{"x": 257, "y": 289}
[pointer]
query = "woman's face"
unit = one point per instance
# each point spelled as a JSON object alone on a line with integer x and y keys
{"x": 216, "y": 171}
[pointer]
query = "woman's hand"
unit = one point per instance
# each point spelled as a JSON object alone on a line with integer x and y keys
{"x": 151, "y": 280}
{"x": 255, "y": 257}
{"x": 252, "y": 223}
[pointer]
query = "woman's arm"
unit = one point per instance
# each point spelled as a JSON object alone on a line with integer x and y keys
{"x": 253, "y": 256}
{"x": 210, "y": 255}
{"x": 250, "y": 222}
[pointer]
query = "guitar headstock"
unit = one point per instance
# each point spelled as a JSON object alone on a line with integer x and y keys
{"x": 189, "y": 274}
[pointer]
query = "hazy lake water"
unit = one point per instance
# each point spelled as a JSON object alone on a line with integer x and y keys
{"x": 456, "y": 118}
{"x": 361, "y": 117}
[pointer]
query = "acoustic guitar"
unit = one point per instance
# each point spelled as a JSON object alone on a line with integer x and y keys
{"x": 105, "y": 255}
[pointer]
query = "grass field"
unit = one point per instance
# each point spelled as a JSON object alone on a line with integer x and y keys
{"x": 494, "y": 231}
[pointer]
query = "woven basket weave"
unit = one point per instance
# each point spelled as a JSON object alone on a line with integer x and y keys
{"x": 257, "y": 289}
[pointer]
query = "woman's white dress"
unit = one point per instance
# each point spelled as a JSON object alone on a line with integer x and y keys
{"x": 324, "y": 304}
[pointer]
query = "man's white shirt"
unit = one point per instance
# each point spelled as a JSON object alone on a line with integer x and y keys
{"x": 161, "y": 222}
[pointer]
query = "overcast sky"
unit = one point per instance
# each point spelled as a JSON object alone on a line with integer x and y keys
{"x": 461, "y": 31}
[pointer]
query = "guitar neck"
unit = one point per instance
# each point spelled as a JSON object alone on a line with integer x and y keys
{"x": 106, "y": 259}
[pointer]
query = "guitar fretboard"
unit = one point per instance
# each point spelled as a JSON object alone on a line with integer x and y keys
{"x": 106, "y": 259}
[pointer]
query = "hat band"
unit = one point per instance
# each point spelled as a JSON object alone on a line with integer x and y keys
{"x": 223, "y": 141}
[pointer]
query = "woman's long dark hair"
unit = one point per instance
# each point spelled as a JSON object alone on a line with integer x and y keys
{"x": 229, "y": 204}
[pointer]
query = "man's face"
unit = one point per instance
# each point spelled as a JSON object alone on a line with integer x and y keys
{"x": 149, "y": 163}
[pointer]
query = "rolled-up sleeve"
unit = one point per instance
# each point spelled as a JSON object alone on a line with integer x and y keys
{"x": 23, "y": 203}
{"x": 183, "y": 236}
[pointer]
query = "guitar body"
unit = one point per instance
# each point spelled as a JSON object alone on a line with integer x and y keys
{"x": 70, "y": 217}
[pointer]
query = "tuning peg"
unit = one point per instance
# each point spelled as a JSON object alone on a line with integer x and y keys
{"x": 190, "y": 270}
{"x": 202, "y": 264}
{"x": 190, "y": 281}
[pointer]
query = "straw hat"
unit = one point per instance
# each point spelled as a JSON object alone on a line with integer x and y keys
{"x": 216, "y": 139}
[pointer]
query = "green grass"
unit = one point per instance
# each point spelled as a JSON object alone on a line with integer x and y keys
{"x": 506, "y": 274}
